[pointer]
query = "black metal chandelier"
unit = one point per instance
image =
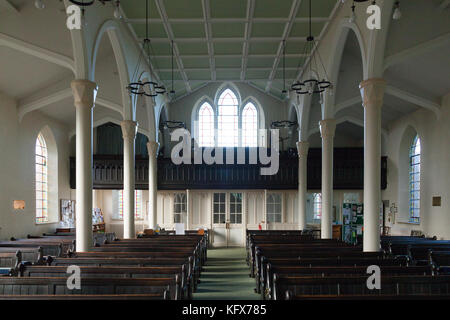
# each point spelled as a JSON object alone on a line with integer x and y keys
{"x": 173, "y": 124}
{"x": 283, "y": 124}
{"x": 88, "y": 3}
{"x": 312, "y": 85}
{"x": 148, "y": 88}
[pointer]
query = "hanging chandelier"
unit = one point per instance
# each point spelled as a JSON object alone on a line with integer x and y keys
{"x": 148, "y": 88}
{"x": 172, "y": 91}
{"x": 87, "y": 3}
{"x": 284, "y": 91}
{"x": 312, "y": 85}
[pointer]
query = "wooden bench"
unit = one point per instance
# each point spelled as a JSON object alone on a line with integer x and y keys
{"x": 89, "y": 286}
{"x": 267, "y": 279}
{"x": 75, "y": 297}
{"x": 365, "y": 297}
{"x": 390, "y": 285}
{"x": 115, "y": 272}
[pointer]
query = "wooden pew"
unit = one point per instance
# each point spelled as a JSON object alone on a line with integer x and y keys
{"x": 114, "y": 272}
{"x": 9, "y": 263}
{"x": 10, "y": 255}
{"x": 325, "y": 262}
{"x": 131, "y": 262}
{"x": 390, "y": 285}
{"x": 89, "y": 286}
{"x": 296, "y": 271}
{"x": 366, "y": 297}
{"x": 75, "y": 297}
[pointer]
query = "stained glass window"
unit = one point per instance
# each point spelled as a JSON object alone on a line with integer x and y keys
{"x": 206, "y": 126}
{"x": 414, "y": 180}
{"x": 317, "y": 205}
{"x": 228, "y": 130}
{"x": 137, "y": 205}
{"x": 249, "y": 126}
{"x": 41, "y": 180}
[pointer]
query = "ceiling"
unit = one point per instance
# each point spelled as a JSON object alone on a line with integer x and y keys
{"x": 233, "y": 40}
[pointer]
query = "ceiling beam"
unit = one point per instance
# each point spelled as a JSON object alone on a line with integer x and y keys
{"x": 348, "y": 103}
{"x": 228, "y": 20}
{"x": 27, "y": 105}
{"x": 417, "y": 50}
{"x": 223, "y": 69}
{"x": 36, "y": 104}
{"x": 162, "y": 12}
{"x": 247, "y": 35}
{"x": 412, "y": 98}
{"x": 208, "y": 32}
{"x": 37, "y": 52}
{"x": 349, "y": 119}
{"x": 287, "y": 30}
{"x": 8, "y": 6}
{"x": 193, "y": 56}
{"x": 228, "y": 39}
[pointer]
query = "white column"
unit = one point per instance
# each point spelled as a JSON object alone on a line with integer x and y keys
{"x": 129, "y": 129}
{"x": 372, "y": 92}
{"x": 327, "y": 129}
{"x": 302, "y": 148}
{"x": 188, "y": 209}
{"x": 84, "y": 93}
{"x": 152, "y": 147}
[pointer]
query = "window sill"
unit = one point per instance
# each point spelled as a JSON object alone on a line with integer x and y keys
{"x": 44, "y": 223}
{"x": 408, "y": 222}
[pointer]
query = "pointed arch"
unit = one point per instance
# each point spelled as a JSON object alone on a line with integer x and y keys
{"x": 206, "y": 125}
{"x": 228, "y": 119}
{"x": 249, "y": 120}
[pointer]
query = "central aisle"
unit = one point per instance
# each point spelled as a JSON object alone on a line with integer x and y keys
{"x": 225, "y": 276}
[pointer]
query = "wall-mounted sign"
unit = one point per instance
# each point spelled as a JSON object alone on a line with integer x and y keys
{"x": 19, "y": 204}
{"x": 437, "y": 201}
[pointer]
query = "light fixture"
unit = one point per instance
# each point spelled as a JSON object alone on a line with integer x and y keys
{"x": 312, "y": 85}
{"x": 149, "y": 88}
{"x": 117, "y": 12}
{"x": 39, "y": 4}
{"x": 284, "y": 92}
{"x": 283, "y": 124}
{"x": 87, "y": 3}
{"x": 173, "y": 124}
{"x": 353, "y": 15}
{"x": 397, "y": 13}
{"x": 172, "y": 91}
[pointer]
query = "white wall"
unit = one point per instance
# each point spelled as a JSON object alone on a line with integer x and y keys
{"x": 435, "y": 171}
{"x": 17, "y": 170}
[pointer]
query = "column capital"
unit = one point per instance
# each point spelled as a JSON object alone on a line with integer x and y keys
{"x": 302, "y": 148}
{"x": 152, "y": 148}
{"x": 129, "y": 129}
{"x": 84, "y": 92}
{"x": 327, "y": 128}
{"x": 372, "y": 92}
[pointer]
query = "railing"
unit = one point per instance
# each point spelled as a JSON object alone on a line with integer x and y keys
{"x": 348, "y": 173}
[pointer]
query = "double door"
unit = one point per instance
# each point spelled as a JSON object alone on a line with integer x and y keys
{"x": 228, "y": 219}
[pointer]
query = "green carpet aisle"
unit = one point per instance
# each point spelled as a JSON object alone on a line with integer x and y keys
{"x": 226, "y": 277}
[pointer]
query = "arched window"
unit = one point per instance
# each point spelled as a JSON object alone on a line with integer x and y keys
{"x": 206, "y": 126}
{"x": 227, "y": 120}
{"x": 414, "y": 180}
{"x": 249, "y": 126}
{"x": 317, "y": 206}
{"x": 41, "y": 180}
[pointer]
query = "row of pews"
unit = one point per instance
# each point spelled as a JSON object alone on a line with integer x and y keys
{"x": 148, "y": 268}
{"x": 294, "y": 265}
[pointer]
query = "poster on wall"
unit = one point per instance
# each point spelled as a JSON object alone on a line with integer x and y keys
{"x": 67, "y": 214}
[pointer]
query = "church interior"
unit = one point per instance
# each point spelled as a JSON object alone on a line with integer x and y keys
{"x": 224, "y": 150}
